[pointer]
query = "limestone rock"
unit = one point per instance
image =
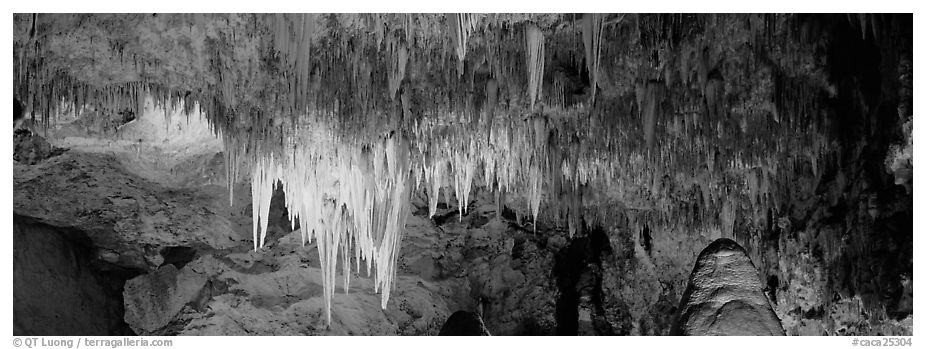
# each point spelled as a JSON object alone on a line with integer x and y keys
{"x": 30, "y": 148}
{"x": 57, "y": 290}
{"x": 725, "y": 297}
{"x": 120, "y": 211}
{"x": 274, "y": 291}
{"x": 479, "y": 257}
{"x": 153, "y": 300}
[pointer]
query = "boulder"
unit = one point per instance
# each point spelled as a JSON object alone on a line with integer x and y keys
{"x": 153, "y": 300}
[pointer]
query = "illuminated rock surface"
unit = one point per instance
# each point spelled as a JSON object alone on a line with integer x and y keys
{"x": 724, "y": 296}
{"x": 130, "y": 219}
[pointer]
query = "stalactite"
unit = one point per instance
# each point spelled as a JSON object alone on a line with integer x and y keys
{"x": 461, "y": 25}
{"x": 591, "y": 36}
{"x": 339, "y": 193}
{"x": 264, "y": 176}
{"x": 535, "y": 60}
{"x": 649, "y": 99}
{"x": 399, "y": 58}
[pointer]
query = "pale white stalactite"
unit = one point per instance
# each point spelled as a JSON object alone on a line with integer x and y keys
{"x": 461, "y": 26}
{"x": 263, "y": 178}
{"x": 535, "y": 61}
{"x": 353, "y": 197}
{"x": 348, "y": 197}
{"x": 436, "y": 176}
{"x": 536, "y": 192}
{"x": 469, "y": 172}
{"x": 345, "y": 260}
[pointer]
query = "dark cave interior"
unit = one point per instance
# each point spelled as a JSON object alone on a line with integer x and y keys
{"x": 518, "y": 174}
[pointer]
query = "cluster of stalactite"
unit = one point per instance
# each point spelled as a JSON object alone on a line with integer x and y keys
{"x": 575, "y": 165}
{"x": 352, "y": 195}
{"x": 351, "y": 198}
{"x": 678, "y": 124}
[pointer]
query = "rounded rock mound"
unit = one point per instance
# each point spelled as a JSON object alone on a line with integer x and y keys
{"x": 725, "y": 296}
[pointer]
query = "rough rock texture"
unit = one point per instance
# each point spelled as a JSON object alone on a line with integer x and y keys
{"x": 724, "y": 296}
{"x": 58, "y": 289}
{"x": 275, "y": 291}
{"x": 165, "y": 293}
{"x": 446, "y": 265}
{"x": 30, "y": 148}
{"x": 464, "y": 323}
{"x": 479, "y": 258}
{"x": 624, "y": 280}
{"x": 130, "y": 218}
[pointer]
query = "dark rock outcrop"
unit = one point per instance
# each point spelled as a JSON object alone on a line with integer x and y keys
{"x": 464, "y": 323}
{"x": 478, "y": 258}
{"x": 30, "y": 148}
{"x": 725, "y": 296}
{"x": 58, "y": 289}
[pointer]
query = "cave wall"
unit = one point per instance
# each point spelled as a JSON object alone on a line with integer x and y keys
{"x": 58, "y": 290}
